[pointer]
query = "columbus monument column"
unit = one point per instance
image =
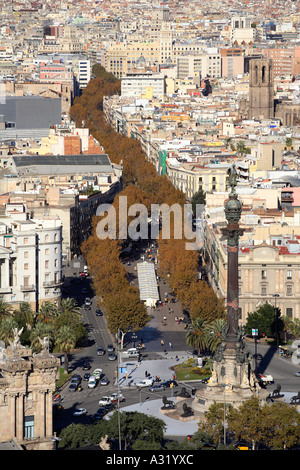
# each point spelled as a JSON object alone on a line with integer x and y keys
{"x": 232, "y": 380}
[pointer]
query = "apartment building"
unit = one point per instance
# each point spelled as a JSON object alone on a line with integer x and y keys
{"x": 139, "y": 84}
{"x": 269, "y": 258}
{"x": 30, "y": 258}
{"x": 70, "y": 187}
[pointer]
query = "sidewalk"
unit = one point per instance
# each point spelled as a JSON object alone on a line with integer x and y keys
{"x": 158, "y": 367}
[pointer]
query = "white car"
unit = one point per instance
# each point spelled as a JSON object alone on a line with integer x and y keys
{"x": 97, "y": 373}
{"x": 104, "y": 401}
{"x": 80, "y": 412}
{"x": 115, "y": 396}
{"x": 144, "y": 383}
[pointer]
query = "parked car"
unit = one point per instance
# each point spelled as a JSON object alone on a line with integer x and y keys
{"x": 297, "y": 374}
{"x": 100, "y": 351}
{"x": 86, "y": 366}
{"x": 80, "y": 412}
{"x": 104, "y": 381}
{"x": 88, "y": 301}
{"x": 157, "y": 388}
{"x": 112, "y": 357}
{"x": 86, "y": 376}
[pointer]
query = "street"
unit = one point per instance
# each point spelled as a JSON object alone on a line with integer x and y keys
{"x": 282, "y": 369}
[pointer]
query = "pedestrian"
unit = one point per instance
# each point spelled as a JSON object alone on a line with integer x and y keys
{"x": 146, "y": 373}
{"x": 162, "y": 342}
{"x": 170, "y": 345}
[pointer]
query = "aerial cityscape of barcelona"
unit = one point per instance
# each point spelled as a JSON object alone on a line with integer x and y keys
{"x": 149, "y": 228}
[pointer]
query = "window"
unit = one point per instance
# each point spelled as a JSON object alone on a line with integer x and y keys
{"x": 289, "y": 289}
{"x": 289, "y": 312}
{"x": 47, "y": 264}
{"x": 28, "y": 427}
{"x": 25, "y": 254}
{"x": 26, "y": 266}
{"x": 26, "y": 241}
{"x": 263, "y": 289}
{"x": 47, "y": 251}
{"x": 289, "y": 274}
{"x": 264, "y": 274}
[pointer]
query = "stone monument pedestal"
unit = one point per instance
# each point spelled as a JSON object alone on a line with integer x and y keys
{"x": 232, "y": 380}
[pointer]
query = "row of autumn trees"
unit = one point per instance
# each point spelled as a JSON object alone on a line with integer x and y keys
{"x": 142, "y": 184}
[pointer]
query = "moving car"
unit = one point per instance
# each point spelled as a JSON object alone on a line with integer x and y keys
{"x": 97, "y": 373}
{"x": 157, "y": 388}
{"x": 104, "y": 381}
{"x": 99, "y": 312}
{"x": 92, "y": 382}
{"x": 100, "y": 351}
{"x": 112, "y": 357}
{"x": 86, "y": 376}
{"x": 80, "y": 412}
{"x": 104, "y": 401}
{"x": 115, "y": 396}
{"x": 144, "y": 382}
{"x": 169, "y": 383}
{"x": 297, "y": 374}
{"x": 110, "y": 348}
{"x": 86, "y": 366}
{"x": 73, "y": 386}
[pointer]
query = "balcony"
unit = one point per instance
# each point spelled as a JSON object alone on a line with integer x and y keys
{"x": 28, "y": 288}
{"x": 52, "y": 283}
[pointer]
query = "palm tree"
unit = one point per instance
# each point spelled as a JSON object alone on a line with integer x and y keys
{"x": 40, "y": 331}
{"x": 196, "y": 334}
{"x": 7, "y": 326}
{"x": 69, "y": 305}
{"x": 47, "y": 311}
{"x": 215, "y": 333}
{"x": 5, "y": 309}
{"x": 65, "y": 341}
{"x": 25, "y": 313}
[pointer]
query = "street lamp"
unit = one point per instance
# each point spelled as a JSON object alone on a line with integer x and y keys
{"x": 276, "y": 318}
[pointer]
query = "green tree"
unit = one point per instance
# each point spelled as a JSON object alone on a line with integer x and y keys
{"x": 7, "y": 326}
{"x": 246, "y": 422}
{"x": 198, "y": 198}
{"x": 25, "y": 313}
{"x": 41, "y": 330}
{"x": 289, "y": 142}
{"x": 196, "y": 335}
{"x": 69, "y": 306}
{"x": 47, "y": 311}
{"x": 65, "y": 341}
{"x": 214, "y": 422}
{"x": 215, "y": 333}
{"x": 5, "y": 309}
{"x": 136, "y": 426}
{"x": 282, "y": 426}
{"x": 264, "y": 319}
{"x": 74, "y": 436}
